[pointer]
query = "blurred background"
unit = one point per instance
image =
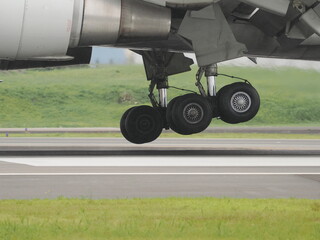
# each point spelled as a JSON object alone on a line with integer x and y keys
{"x": 96, "y": 95}
{"x": 102, "y": 55}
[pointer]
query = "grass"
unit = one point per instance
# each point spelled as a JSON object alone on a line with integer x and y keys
{"x": 97, "y": 97}
{"x": 174, "y": 218}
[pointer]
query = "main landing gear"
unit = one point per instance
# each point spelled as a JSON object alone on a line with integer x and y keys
{"x": 192, "y": 113}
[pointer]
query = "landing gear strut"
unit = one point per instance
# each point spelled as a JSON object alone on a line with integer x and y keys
{"x": 144, "y": 124}
{"x": 235, "y": 103}
{"x": 193, "y": 113}
{"x": 190, "y": 113}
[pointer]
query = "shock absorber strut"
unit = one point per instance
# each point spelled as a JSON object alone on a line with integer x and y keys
{"x": 211, "y": 73}
{"x": 163, "y": 99}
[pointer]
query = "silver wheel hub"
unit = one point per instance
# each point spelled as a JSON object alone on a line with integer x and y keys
{"x": 193, "y": 113}
{"x": 240, "y": 102}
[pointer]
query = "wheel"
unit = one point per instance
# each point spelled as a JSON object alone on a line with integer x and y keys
{"x": 192, "y": 114}
{"x": 123, "y": 125}
{"x": 238, "y": 102}
{"x": 169, "y": 113}
{"x": 143, "y": 125}
{"x": 170, "y": 120}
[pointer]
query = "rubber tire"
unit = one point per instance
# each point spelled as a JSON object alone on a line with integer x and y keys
{"x": 186, "y": 127}
{"x": 169, "y": 116}
{"x": 132, "y": 124}
{"x": 227, "y": 114}
{"x": 123, "y": 125}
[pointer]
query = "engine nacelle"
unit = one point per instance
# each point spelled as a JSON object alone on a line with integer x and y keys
{"x": 112, "y": 21}
{"x": 35, "y": 28}
{"x": 46, "y": 29}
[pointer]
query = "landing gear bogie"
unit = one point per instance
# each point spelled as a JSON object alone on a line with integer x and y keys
{"x": 191, "y": 113}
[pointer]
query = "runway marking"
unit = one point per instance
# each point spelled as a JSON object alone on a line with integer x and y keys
{"x": 155, "y": 161}
{"x": 155, "y": 174}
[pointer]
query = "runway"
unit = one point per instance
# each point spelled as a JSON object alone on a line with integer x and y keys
{"x": 140, "y": 177}
{"x": 230, "y": 129}
{"x": 169, "y": 146}
{"x": 113, "y": 168}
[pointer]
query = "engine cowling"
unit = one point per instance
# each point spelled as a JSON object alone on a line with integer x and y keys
{"x": 46, "y": 29}
{"x": 112, "y": 21}
{"x": 35, "y": 28}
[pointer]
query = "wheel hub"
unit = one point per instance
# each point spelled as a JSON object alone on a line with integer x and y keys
{"x": 193, "y": 113}
{"x": 240, "y": 102}
{"x": 144, "y": 124}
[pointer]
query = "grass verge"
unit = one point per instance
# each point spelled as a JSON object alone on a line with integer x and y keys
{"x": 202, "y": 218}
{"x": 97, "y": 97}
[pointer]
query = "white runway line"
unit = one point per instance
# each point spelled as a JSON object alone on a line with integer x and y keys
{"x": 152, "y": 161}
{"x": 156, "y": 174}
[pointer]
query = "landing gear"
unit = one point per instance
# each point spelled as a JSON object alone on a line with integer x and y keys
{"x": 190, "y": 113}
{"x": 141, "y": 124}
{"x": 169, "y": 120}
{"x": 123, "y": 125}
{"x": 238, "y": 102}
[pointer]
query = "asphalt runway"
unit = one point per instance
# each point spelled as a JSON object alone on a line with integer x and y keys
{"x": 140, "y": 177}
{"x": 230, "y": 129}
{"x": 135, "y": 171}
{"x": 182, "y": 146}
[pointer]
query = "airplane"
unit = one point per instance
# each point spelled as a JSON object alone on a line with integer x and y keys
{"x": 46, "y": 33}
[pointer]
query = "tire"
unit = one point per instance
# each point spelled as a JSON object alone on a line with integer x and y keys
{"x": 123, "y": 125}
{"x": 143, "y": 125}
{"x": 238, "y": 102}
{"x": 192, "y": 114}
{"x": 169, "y": 119}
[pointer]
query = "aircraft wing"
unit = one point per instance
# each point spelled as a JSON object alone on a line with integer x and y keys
{"x": 279, "y": 7}
{"x": 273, "y": 28}
{"x": 216, "y": 30}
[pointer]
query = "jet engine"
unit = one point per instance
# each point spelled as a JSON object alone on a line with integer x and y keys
{"x": 44, "y": 30}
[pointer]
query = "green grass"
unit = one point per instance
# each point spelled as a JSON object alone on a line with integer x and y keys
{"x": 203, "y": 218}
{"x": 97, "y": 97}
